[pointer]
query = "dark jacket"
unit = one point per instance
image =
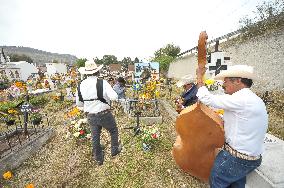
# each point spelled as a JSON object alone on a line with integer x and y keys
{"x": 190, "y": 96}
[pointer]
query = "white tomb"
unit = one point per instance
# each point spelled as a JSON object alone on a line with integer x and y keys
{"x": 53, "y": 68}
{"x": 17, "y": 70}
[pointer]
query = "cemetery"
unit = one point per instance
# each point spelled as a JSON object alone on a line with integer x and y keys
{"x": 46, "y": 141}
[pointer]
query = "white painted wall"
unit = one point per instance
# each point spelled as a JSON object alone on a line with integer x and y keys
{"x": 52, "y": 68}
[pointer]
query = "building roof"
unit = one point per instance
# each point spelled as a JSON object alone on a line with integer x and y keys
{"x": 115, "y": 67}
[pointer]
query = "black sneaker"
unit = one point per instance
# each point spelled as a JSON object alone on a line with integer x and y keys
{"x": 117, "y": 151}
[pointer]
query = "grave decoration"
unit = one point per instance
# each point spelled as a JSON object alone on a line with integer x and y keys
{"x": 144, "y": 99}
{"x": 150, "y": 136}
{"x": 77, "y": 126}
{"x": 79, "y": 129}
{"x": 212, "y": 84}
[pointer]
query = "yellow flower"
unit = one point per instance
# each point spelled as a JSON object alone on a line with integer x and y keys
{"x": 7, "y": 175}
{"x": 12, "y": 111}
{"x": 30, "y": 185}
{"x": 157, "y": 93}
{"x": 220, "y": 111}
{"x": 209, "y": 82}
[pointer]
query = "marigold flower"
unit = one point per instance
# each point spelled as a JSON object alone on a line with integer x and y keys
{"x": 7, "y": 175}
{"x": 30, "y": 185}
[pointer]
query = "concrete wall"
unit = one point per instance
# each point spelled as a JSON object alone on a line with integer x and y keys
{"x": 265, "y": 53}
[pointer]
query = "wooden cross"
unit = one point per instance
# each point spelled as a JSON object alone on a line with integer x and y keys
{"x": 218, "y": 67}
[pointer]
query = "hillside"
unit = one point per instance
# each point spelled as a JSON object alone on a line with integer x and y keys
{"x": 39, "y": 56}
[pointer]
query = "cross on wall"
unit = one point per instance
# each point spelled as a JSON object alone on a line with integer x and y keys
{"x": 218, "y": 67}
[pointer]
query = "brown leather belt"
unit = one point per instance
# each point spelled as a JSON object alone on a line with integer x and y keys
{"x": 235, "y": 153}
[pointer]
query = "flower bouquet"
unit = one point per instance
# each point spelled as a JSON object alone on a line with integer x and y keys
{"x": 79, "y": 130}
{"x": 150, "y": 136}
{"x": 212, "y": 85}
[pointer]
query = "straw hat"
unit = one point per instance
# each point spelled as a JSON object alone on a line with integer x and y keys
{"x": 90, "y": 68}
{"x": 187, "y": 79}
{"x": 242, "y": 71}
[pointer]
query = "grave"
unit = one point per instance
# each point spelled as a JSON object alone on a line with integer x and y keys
{"x": 13, "y": 159}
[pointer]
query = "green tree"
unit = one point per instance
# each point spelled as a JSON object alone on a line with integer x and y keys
{"x": 98, "y": 61}
{"x": 109, "y": 59}
{"x": 136, "y": 60}
{"x": 80, "y": 62}
{"x": 164, "y": 56}
{"x": 20, "y": 57}
{"x": 125, "y": 62}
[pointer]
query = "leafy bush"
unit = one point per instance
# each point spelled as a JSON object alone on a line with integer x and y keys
{"x": 39, "y": 101}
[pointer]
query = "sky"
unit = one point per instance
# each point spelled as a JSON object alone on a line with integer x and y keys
{"x": 124, "y": 28}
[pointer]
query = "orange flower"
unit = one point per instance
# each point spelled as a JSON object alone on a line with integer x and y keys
{"x": 7, "y": 175}
{"x": 30, "y": 185}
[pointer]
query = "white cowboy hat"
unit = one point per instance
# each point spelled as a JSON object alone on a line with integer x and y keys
{"x": 187, "y": 79}
{"x": 242, "y": 71}
{"x": 90, "y": 68}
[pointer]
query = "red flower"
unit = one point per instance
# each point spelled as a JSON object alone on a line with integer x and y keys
{"x": 82, "y": 132}
{"x": 154, "y": 136}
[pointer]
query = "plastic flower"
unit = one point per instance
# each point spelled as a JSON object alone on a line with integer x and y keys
{"x": 7, "y": 175}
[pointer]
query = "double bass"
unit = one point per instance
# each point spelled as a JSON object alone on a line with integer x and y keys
{"x": 199, "y": 132}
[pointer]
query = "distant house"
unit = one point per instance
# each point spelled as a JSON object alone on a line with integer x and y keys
{"x": 53, "y": 68}
{"x": 131, "y": 68}
{"x": 115, "y": 68}
{"x": 17, "y": 70}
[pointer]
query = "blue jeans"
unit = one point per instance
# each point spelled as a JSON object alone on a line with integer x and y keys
{"x": 230, "y": 171}
{"x": 97, "y": 122}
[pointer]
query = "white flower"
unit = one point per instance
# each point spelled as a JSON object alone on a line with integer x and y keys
{"x": 68, "y": 135}
{"x": 85, "y": 120}
{"x": 89, "y": 136}
{"x": 77, "y": 126}
{"x": 77, "y": 134}
{"x": 81, "y": 121}
{"x": 73, "y": 122}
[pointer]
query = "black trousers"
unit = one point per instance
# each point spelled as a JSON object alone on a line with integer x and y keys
{"x": 97, "y": 122}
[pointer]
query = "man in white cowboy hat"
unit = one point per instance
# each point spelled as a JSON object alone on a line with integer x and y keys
{"x": 188, "y": 97}
{"x": 94, "y": 95}
{"x": 245, "y": 125}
